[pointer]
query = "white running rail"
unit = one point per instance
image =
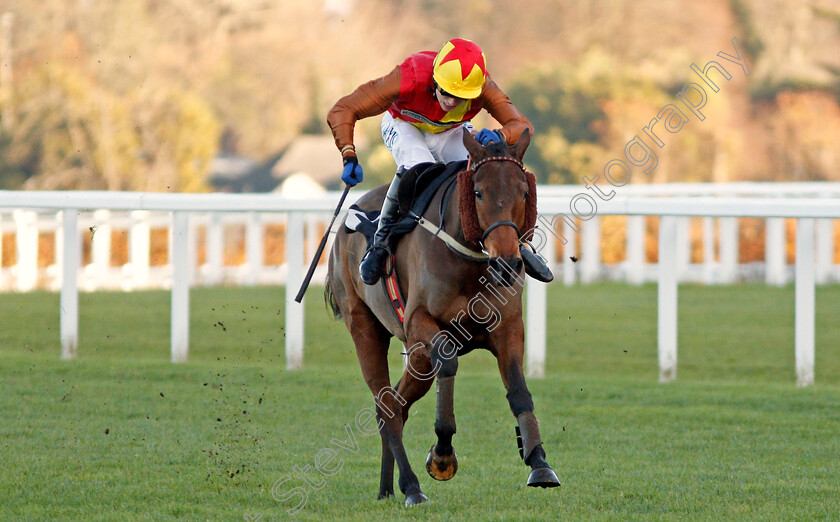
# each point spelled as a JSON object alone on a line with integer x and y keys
{"x": 70, "y": 214}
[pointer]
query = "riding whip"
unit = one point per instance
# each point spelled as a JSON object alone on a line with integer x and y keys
{"x": 320, "y": 250}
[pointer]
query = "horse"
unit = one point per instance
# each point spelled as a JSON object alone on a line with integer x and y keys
{"x": 454, "y": 304}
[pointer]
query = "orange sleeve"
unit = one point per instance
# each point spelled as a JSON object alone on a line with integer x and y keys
{"x": 501, "y": 108}
{"x": 369, "y": 99}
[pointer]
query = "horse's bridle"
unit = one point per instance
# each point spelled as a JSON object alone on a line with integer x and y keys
{"x": 474, "y": 167}
{"x": 451, "y": 243}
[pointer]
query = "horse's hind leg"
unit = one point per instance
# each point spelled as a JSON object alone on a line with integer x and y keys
{"x": 386, "y": 474}
{"x": 411, "y": 389}
{"x": 371, "y": 340}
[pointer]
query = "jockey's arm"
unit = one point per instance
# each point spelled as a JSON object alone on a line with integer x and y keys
{"x": 369, "y": 99}
{"x": 502, "y": 109}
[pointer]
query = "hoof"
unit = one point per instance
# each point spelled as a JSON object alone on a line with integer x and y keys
{"x": 441, "y": 467}
{"x": 543, "y": 478}
{"x": 415, "y": 498}
{"x": 387, "y": 494}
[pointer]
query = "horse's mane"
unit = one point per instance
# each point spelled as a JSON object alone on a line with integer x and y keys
{"x": 466, "y": 200}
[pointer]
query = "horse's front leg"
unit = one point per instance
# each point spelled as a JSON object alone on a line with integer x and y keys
{"x": 509, "y": 347}
{"x": 441, "y": 462}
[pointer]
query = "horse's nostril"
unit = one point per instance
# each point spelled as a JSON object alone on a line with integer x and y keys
{"x": 505, "y": 271}
{"x": 512, "y": 264}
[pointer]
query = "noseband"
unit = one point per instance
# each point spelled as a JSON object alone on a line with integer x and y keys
{"x": 474, "y": 167}
{"x": 496, "y": 225}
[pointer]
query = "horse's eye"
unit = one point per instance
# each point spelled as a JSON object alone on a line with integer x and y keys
{"x": 478, "y": 195}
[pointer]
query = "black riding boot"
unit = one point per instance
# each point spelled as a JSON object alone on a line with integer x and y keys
{"x": 372, "y": 266}
{"x": 535, "y": 265}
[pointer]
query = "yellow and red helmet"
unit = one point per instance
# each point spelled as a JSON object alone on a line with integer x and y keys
{"x": 459, "y": 68}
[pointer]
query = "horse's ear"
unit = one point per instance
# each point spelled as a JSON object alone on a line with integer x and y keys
{"x": 473, "y": 147}
{"x": 522, "y": 143}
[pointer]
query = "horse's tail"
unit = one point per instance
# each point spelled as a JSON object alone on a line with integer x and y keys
{"x": 329, "y": 298}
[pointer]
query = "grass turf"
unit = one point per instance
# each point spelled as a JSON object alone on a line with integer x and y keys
{"x": 121, "y": 433}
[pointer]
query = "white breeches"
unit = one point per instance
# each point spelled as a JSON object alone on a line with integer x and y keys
{"x": 410, "y": 146}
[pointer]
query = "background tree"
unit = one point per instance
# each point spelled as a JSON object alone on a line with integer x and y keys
{"x": 132, "y": 94}
{"x": 805, "y": 130}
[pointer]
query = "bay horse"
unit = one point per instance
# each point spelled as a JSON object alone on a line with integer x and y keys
{"x": 453, "y": 304}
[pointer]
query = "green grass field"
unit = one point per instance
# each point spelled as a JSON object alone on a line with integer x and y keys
{"x": 121, "y": 433}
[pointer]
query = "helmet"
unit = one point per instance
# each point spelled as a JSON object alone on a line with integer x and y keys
{"x": 459, "y": 68}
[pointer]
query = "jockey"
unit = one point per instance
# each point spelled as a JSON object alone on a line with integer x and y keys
{"x": 429, "y": 98}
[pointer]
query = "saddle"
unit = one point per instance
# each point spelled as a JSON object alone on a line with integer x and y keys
{"x": 418, "y": 187}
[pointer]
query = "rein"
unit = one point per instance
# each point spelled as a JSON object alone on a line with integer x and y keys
{"x": 454, "y": 246}
{"x": 451, "y": 243}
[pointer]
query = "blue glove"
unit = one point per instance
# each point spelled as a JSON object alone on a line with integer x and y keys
{"x": 352, "y": 172}
{"x": 487, "y": 136}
